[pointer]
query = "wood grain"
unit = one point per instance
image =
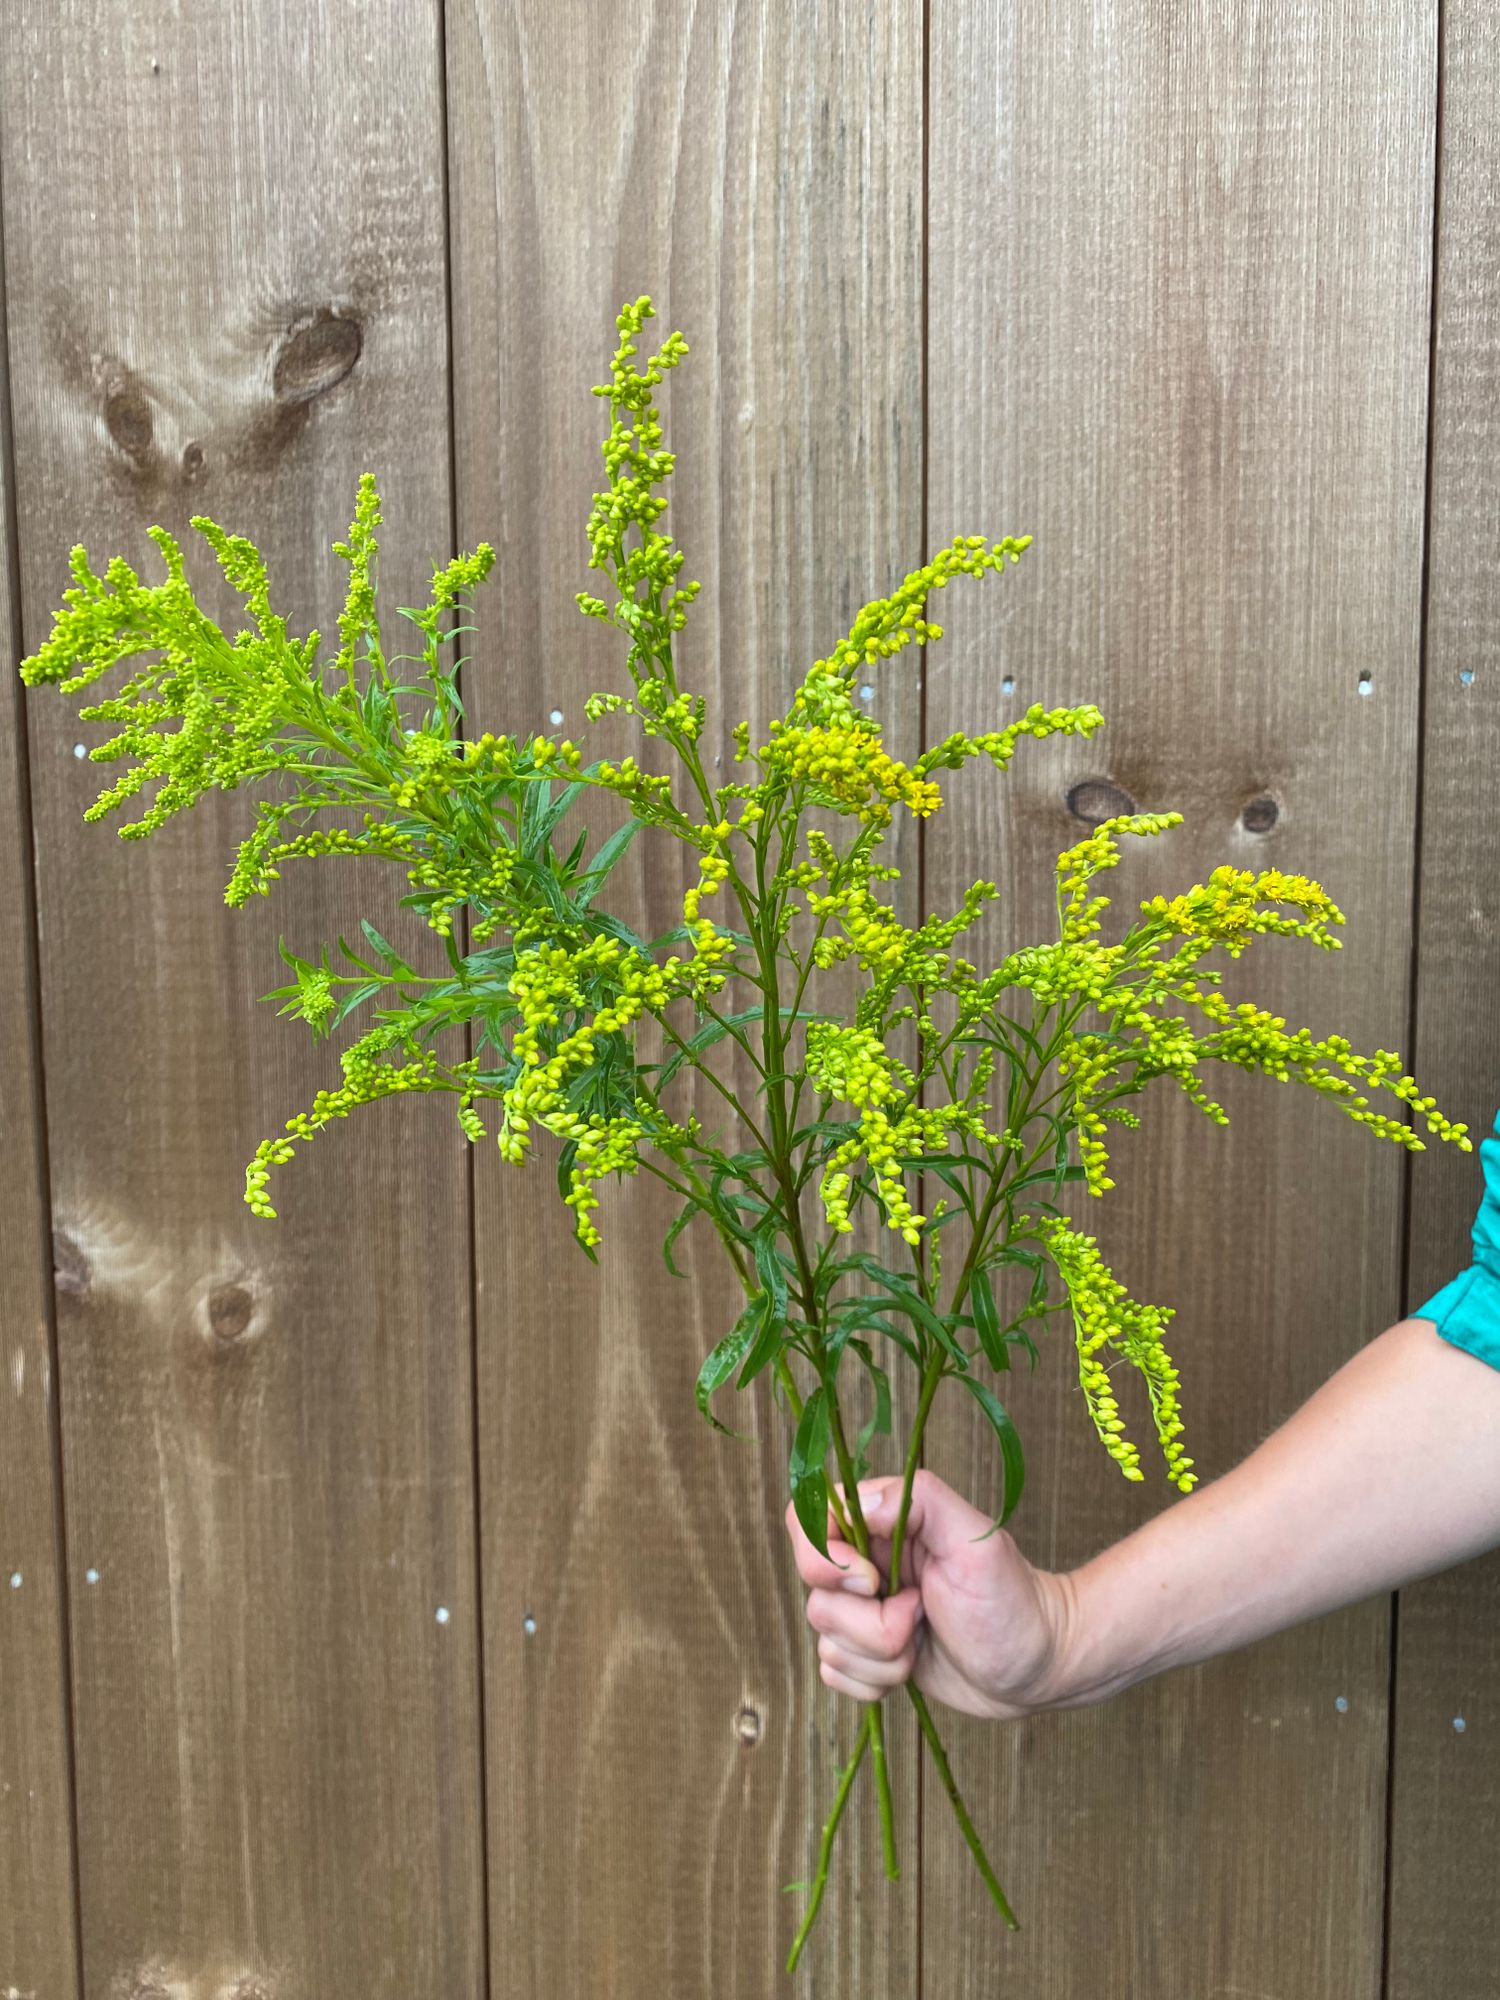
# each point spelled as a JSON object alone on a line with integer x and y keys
{"x": 38, "y": 1930}
{"x": 225, "y": 245}
{"x": 1178, "y": 313}
{"x": 1444, "y": 1924}
{"x": 661, "y": 1753}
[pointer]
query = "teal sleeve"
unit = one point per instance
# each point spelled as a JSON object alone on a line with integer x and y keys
{"x": 1467, "y": 1310}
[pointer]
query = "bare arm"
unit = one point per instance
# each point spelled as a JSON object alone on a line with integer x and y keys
{"x": 1390, "y": 1472}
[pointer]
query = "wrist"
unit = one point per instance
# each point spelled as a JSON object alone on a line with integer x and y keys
{"x": 1092, "y": 1655}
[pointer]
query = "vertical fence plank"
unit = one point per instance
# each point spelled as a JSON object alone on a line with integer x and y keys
{"x": 225, "y": 247}
{"x": 37, "y": 1917}
{"x": 1445, "y": 1832}
{"x": 757, "y": 169}
{"x": 1179, "y": 289}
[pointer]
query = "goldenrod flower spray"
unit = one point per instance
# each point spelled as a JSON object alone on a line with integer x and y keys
{"x": 553, "y": 1016}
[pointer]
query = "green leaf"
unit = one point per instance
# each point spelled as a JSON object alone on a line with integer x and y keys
{"x": 879, "y": 1424}
{"x": 769, "y": 1264}
{"x": 767, "y": 1343}
{"x": 575, "y": 853}
{"x": 898, "y": 1297}
{"x": 605, "y": 860}
{"x": 388, "y": 953}
{"x": 1012, "y": 1459}
{"x": 855, "y": 1316}
{"x": 546, "y": 820}
{"x": 808, "y": 1482}
{"x": 946, "y": 1170}
{"x": 987, "y": 1322}
{"x": 356, "y": 997}
{"x": 601, "y": 920}
{"x": 689, "y": 1210}
{"x": 725, "y": 1358}
{"x": 538, "y": 797}
{"x": 548, "y": 887}
{"x": 715, "y": 1031}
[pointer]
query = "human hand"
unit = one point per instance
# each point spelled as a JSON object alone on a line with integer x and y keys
{"x": 977, "y": 1627}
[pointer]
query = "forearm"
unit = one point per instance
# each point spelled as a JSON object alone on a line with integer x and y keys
{"x": 1390, "y": 1472}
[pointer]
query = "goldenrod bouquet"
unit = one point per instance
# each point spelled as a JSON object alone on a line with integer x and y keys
{"x": 781, "y": 1099}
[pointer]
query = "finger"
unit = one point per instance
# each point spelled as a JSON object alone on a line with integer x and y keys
{"x": 880, "y": 1628}
{"x": 874, "y": 1673}
{"x": 842, "y": 1568}
{"x": 939, "y": 1519}
{"x": 842, "y": 1684}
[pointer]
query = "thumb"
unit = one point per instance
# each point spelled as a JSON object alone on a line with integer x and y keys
{"x": 939, "y": 1518}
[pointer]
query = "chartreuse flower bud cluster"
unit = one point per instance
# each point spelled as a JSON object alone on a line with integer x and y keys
{"x": 949, "y": 1100}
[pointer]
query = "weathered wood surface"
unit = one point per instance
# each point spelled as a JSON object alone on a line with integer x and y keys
{"x": 225, "y": 263}
{"x": 37, "y": 1918}
{"x": 1444, "y": 1914}
{"x": 1178, "y": 315}
{"x": 667, "y": 1750}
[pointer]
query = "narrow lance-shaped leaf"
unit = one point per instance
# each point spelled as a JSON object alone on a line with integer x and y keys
{"x": 808, "y": 1480}
{"x": 1012, "y": 1459}
{"x": 987, "y": 1322}
{"x": 727, "y": 1356}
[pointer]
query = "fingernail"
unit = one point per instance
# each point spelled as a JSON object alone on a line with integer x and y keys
{"x": 859, "y": 1583}
{"x": 871, "y": 1500}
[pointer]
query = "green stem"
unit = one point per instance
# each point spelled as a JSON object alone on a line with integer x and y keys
{"x": 825, "y": 1848}
{"x": 960, "y": 1812}
{"x": 702, "y": 1069}
{"x": 931, "y": 1377}
{"x": 877, "y": 1714}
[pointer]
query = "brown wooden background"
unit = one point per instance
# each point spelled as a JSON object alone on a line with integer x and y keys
{"x": 1205, "y": 295}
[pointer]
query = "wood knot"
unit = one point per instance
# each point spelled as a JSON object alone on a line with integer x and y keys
{"x": 748, "y": 1726}
{"x": 128, "y": 419}
{"x": 315, "y": 355}
{"x": 1094, "y": 800}
{"x": 192, "y": 459}
{"x": 71, "y": 1271}
{"x": 230, "y": 1310}
{"x": 1260, "y": 814}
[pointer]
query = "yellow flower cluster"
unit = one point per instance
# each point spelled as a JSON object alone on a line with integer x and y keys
{"x": 888, "y": 624}
{"x": 854, "y": 1064}
{"x": 848, "y": 765}
{"x": 1077, "y": 866}
{"x": 713, "y": 872}
{"x": 604, "y": 1146}
{"x": 367, "y": 1078}
{"x": 1106, "y": 1317}
{"x": 1227, "y": 908}
{"x": 256, "y": 866}
{"x": 999, "y": 745}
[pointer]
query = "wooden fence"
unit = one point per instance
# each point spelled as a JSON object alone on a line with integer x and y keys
{"x": 381, "y": 1620}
